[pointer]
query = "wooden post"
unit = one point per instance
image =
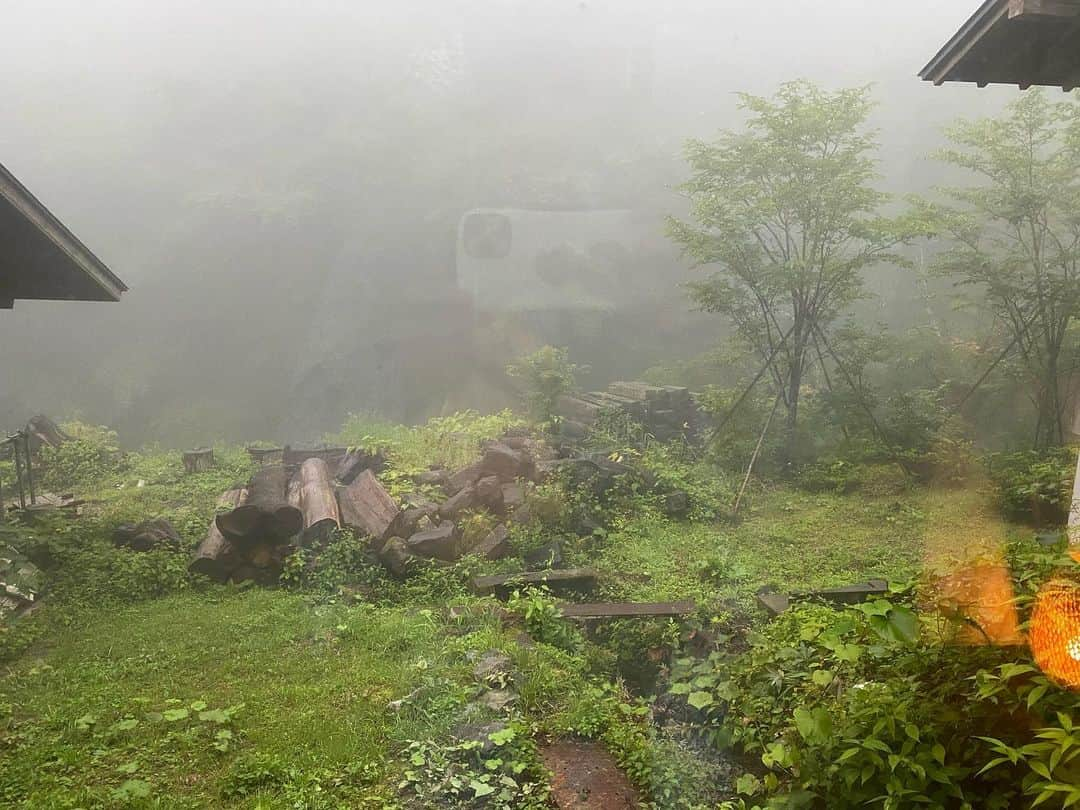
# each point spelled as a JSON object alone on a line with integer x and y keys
{"x": 29, "y": 467}
{"x": 198, "y": 460}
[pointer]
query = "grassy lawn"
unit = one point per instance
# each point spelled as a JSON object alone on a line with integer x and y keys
{"x": 314, "y": 684}
{"x": 144, "y": 688}
{"x": 796, "y": 541}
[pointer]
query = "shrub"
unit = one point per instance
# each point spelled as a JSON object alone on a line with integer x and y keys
{"x": 845, "y": 709}
{"x": 1034, "y": 487}
{"x": 545, "y": 375}
{"x": 89, "y": 457}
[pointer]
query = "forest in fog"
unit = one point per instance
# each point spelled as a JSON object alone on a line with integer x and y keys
{"x": 283, "y": 189}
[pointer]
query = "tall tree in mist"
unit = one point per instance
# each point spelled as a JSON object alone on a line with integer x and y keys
{"x": 785, "y": 214}
{"x": 1015, "y": 237}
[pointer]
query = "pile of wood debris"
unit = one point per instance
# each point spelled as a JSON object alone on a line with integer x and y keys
{"x": 666, "y": 412}
{"x": 298, "y": 498}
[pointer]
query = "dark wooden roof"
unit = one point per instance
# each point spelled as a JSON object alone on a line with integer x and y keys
{"x": 42, "y": 259}
{"x": 1021, "y": 42}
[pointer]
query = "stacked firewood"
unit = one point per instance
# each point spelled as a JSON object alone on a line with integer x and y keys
{"x": 283, "y": 507}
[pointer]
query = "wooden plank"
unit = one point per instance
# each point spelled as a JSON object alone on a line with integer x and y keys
{"x": 558, "y": 580}
{"x": 1043, "y": 8}
{"x": 848, "y": 594}
{"x": 628, "y": 610}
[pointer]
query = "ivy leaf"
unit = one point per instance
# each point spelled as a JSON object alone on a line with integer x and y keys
{"x": 480, "y": 789}
{"x": 699, "y": 700}
{"x": 822, "y": 677}
{"x": 747, "y": 784}
{"x": 173, "y": 715}
{"x": 813, "y": 726}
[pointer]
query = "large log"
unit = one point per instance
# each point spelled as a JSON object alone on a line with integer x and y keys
{"x": 317, "y": 501}
{"x": 267, "y": 514}
{"x": 368, "y": 508}
{"x": 215, "y": 557}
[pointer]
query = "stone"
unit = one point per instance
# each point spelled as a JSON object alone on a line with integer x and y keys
{"x": 505, "y": 462}
{"x": 513, "y": 495}
{"x": 440, "y": 543}
{"x": 492, "y": 666}
{"x": 549, "y": 556}
{"x": 522, "y": 515}
{"x": 150, "y": 534}
{"x": 479, "y": 733}
{"x": 463, "y": 478}
{"x": 489, "y": 493}
{"x": 435, "y": 478}
{"x": 497, "y": 699}
{"x": 396, "y": 556}
{"x": 676, "y": 504}
{"x": 412, "y": 518}
{"x": 465, "y": 499}
{"x": 495, "y": 546}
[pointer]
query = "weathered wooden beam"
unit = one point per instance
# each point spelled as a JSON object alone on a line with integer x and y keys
{"x": 1043, "y": 8}
{"x": 558, "y": 580}
{"x": 628, "y": 610}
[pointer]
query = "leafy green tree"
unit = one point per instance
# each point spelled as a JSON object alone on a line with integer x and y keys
{"x": 545, "y": 375}
{"x": 1015, "y": 237}
{"x": 786, "y": 215}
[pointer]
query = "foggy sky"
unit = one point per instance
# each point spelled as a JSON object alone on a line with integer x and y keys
{"x": 237, "y": 163}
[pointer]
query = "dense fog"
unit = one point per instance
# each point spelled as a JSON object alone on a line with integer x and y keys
{"x": 286, "y": 189}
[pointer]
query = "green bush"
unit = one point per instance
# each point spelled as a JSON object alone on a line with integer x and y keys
{"x": 545, "y": 375}
{"x": 843, "y": 709}
{"x": 90, "y": 457}
{"x": 1034, "y": 487}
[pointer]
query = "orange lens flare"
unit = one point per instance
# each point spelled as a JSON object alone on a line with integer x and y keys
{"x": 1054, "y": 632}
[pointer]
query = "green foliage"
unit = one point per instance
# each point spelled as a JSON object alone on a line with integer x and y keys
{"x": 846, "y": 708}
{"x": 502, "y": 771}
{"x": 543, "y": 619}
{"x": 1034, "y": 487}
{"x": 545, "y": 375}
{"x": 89, "y": 459}
{"x": 786, "y": 212}
{"x": 1013, "y": 238}
{"x": 450, "y": 442}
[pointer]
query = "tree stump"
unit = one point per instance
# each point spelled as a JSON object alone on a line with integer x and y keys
{"x": 198, "y": 460}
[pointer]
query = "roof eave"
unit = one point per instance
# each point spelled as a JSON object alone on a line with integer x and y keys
{"x": 20, "y": 198}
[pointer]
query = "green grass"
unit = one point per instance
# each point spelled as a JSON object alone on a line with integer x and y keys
{"x": 791, "y": 539}
{"x": 124, "y": 638}
{"x": 314, "y": 681}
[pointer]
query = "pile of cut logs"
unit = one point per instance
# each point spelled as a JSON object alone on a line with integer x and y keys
{"x": 288, "y": 504}
{"x": 667, "y": 412}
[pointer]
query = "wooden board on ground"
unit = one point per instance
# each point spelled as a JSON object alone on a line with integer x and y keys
{"x": 776, "y": 603}
{"x": 558, "y": 580}
{"x": 628, "y": 610}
